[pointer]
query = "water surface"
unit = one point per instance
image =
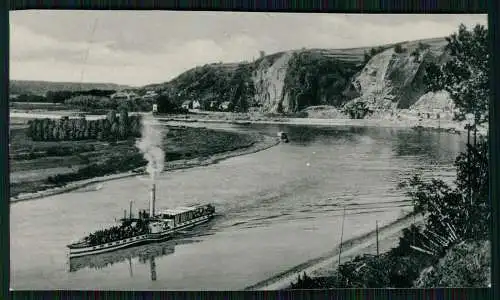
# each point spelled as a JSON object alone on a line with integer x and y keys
{"x": 277, "y": 208}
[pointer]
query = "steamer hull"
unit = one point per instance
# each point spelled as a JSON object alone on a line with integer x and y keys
{"x": 161, "y": 229}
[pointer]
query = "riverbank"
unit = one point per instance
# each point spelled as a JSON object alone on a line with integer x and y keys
{"x": 327, "y": 263}
{"x": 407, "y": 121}
{"x": 262, "y": 143}
{"x": 402, "y": 119}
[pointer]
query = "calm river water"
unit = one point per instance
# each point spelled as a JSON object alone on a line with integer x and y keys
{"x": 277, "y": 208}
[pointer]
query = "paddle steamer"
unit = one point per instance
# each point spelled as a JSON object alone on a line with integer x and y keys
{"x": 147, "y": 227}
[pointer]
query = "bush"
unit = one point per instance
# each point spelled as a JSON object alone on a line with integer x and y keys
{"x": 459, "y": 213}
{"x": 398, "y": 48}
{"x": 372, "y": 53}
{"x": 356, "y": 110}
{"x": 465, "y": 265}
{"x": 166, "y": 105}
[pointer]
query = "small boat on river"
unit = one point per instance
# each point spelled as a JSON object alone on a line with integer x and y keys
{"x": 283, "y": 136}
{"x": 148, "y": 227}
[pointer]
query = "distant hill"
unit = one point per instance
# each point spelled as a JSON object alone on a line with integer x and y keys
{"x": 384, "y": 76}
{"x": 41, "y": 87}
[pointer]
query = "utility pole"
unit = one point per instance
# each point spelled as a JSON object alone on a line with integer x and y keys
{"x": 469, "y": 127}
{"x": 341, "y": 236}
{"x": 376, "y": 230}
{"x": 130, "y": 211}
{"x": 475, "y": 134}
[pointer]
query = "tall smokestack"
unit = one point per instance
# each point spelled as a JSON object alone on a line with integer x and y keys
{"x": 152, "y": 200}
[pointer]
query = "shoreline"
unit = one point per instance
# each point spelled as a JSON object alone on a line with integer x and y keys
{"x": 443, "y": 125}
{"x": 261, "y": 143}
{"x": 350, "y": 248}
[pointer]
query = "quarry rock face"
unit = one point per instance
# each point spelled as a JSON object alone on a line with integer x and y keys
{"x": 269, "y": 81}
{"x": 392, "y": 80}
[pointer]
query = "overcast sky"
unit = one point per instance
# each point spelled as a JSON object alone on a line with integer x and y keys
{"x": 142, "y": 47}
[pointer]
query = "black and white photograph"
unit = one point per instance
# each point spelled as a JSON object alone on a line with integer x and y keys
{"x": 192, "y": 150}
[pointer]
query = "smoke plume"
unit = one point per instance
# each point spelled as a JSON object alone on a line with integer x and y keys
{"x": 150, "y": 145}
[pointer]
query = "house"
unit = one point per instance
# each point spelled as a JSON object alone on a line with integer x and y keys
{"x": 150, "y": 95}
{"x": 186, "y": 104}
{"x": 196, "y": 104}
{"x": 225, "y": 105}
{"x": 155, "y": 108}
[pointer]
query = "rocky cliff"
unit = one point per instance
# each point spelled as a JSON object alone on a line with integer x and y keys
{"x": 387, "y": 77}
{"x": 393, "y": 78}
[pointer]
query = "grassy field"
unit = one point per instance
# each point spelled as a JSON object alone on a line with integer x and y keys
{"x": 32, "y": 163}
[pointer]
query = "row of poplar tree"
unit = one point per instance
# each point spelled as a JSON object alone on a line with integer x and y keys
{"x": 116, "y": 126}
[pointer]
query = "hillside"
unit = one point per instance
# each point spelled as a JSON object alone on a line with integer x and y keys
{"x": 385, "y": 77}
{"x": 41, "y": 87}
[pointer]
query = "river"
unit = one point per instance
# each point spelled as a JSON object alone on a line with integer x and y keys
{"x": 276, "y": 209}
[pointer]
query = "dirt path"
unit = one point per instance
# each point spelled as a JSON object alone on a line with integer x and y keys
{"x": 388, "y": 236}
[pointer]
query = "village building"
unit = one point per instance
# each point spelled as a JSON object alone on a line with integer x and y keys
{"x": 224, "y": 106}
{"x": 196, "y": 104}
{"x": 150, "y": 95}
{"x": 186, "y": 104}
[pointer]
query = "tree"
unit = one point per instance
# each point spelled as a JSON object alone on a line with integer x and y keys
{"x": 50, "y": 130}
{"x": 99, "y": 129}
{"x": 58, "y": 96}
{"x": 97, "y": 92}
{"x": 243, "y": 90}
{"x": 465, "y": 75}
{"x": 93, "y": 128}
{"x": 64, "y": 128}
{"x": 114, "y": 131}
{"x": 55, "y": 133}
{"x": 45, "y": 129}
{"x": 135, "y": 125}
{"x": 167, "y": 105}
{"x": 399, "y": 48}
{"x": 106, "y": 129}
{"x": 111, "y": 117}
{"x": 456, "y": 213}
{"x": 366, "y": 57}
{"x": 81, "y": 125}
{"x": 123, "y": 124}
{"x": 356, "y": 110}
{"x": 71, "y": 129}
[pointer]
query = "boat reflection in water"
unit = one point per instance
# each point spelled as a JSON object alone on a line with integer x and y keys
{"x": 144, "y": 253}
